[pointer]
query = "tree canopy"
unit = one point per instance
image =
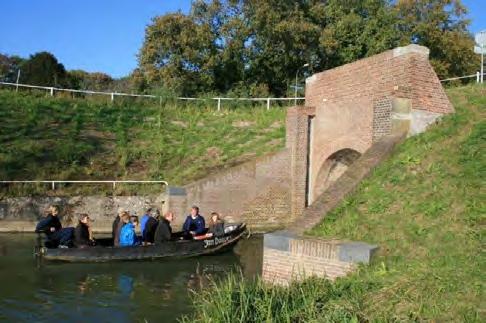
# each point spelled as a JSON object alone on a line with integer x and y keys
{"x": 43, "y": 69}
{"x": 257, "y": 46}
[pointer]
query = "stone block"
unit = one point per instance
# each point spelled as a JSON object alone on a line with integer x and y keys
{"x": 356, "y": 252}
{"x": 175, "y": 191}
{"x": 400, "y": 125}
{"x": 412, "y": 48}
{"x": 401, "y": 105}
{"x": 279, "y": 240}
{"x": 421, "y": 119}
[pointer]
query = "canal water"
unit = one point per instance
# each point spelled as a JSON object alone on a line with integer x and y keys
{"x": 153, "y": 291}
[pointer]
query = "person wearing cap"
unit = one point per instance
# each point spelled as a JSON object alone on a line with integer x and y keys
{"x": 194, "y": 224}
{"x": 83, "y": 236}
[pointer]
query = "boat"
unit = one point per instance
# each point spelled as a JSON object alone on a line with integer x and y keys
{"x": 104, "y": 251}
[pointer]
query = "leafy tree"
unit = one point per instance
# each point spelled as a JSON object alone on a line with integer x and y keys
{"x": 442, "y": 27}
{"x": 257, "y": 46}
{"x": 96, "y": 81}
{"x": 230, "y": 30}
{"x": 355, "y": 29}
{"x": 43, "y": 69}
{"x": 9, "y": 66}
{"x": 179, "y": 53}
{"x": 284, "y": 36}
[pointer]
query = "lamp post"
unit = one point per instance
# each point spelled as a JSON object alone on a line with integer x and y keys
{"x": 18, "y": 78}
{"x": 296, "y": 80}
{"x": 480, "y": 48}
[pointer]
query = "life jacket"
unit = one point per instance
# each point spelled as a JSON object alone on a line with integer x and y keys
{"x": 127, "y": 235}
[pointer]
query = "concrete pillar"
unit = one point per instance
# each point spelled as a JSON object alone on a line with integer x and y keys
{"x": 401, "y": 115}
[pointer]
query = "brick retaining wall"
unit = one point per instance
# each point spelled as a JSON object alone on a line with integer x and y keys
{"x": 287, "y": 257}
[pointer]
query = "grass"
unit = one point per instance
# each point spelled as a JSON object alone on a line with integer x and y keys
{"x": 425, "y": 208}
{"x": 77, "y": 139}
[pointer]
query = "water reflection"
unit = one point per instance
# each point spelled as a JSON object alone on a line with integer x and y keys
{"x": 121, "y": 292}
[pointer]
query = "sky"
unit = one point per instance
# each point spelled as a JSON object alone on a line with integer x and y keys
{"x": 102, "y": 35}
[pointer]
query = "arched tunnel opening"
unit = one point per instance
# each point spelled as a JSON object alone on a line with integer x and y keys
{"x": 334, "y": 166}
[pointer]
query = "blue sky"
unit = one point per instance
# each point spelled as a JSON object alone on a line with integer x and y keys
{"x": 101, "y": 35}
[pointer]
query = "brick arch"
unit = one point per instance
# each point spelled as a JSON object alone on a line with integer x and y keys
{"x": 332, "y": 168}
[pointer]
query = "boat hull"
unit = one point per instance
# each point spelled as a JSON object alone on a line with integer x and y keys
{"x": 170, "y": 249}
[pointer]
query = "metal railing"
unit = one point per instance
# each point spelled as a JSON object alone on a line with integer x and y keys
{"x": 112, "y": 95}
{"x": 54, "y": 182}
{"x": 477, "y": 76}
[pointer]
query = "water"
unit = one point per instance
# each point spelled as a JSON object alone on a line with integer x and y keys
{"x": 157, "y": 291}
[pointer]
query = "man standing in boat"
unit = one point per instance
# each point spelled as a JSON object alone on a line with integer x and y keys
{"x": 194, "y": 224}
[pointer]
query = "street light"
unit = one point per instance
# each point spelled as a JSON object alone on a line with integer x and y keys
{"x": 18, "y": 78}
{"x": 296, "y": 79}
{"x": 480, "y": 39}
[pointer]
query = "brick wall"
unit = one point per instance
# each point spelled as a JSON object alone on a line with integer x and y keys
{"x": 287, "y": 257}
{"x": 256, "y": 192}
{"x": 353, "y": 102}
{"x": 382, "y": 113}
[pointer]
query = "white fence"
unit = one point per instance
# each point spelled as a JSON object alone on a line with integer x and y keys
{"x": 477, "y": 75}
{"x": 54, "y": 182}
{"x": 219, "y": 100}
{"x": 112, "y": 95}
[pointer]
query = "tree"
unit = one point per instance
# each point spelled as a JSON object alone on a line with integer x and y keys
{"x": 9, "y": 67}
{"x": 43, "y": 69}
{"x": 228, "y": 46}
{"x": 442, "y": 27}
{"x": 179, "y": 53}
{"x": 355, "y": 29}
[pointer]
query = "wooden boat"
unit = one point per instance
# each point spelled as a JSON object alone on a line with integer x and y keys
{"x": 178, "y": 248}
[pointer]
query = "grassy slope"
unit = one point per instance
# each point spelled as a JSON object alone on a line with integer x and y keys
{"x": 55, "y": 138}
{"x": 425, "y": 209}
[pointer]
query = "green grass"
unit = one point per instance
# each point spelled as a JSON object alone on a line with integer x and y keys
{"x": 77, "y": 139}
{"x": 425, "y": 208}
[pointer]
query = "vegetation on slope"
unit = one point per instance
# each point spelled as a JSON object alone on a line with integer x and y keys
{"x": 425, "y": 208}
{"x": 55, "y": 138}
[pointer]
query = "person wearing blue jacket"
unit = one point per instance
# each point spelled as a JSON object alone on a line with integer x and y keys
{"x": 194, "y": 224}
{"x": 143, "y": 221}
{"x": 128, "y": 237}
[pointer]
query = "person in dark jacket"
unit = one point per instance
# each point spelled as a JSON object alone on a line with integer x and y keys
{"x": 216, "y": 225}
{"x": 82, "y": 233}
{"x": 143, "y": 221}
{"x": 51, "y": 226}
{"x": 117, "y": 225}
{"x": 194, "y": 224}
{"x": 164, "y": 230}
{"x": 150, "y": 227}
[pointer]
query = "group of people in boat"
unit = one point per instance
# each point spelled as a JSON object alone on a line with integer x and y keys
{"x": 154, "y": 228}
